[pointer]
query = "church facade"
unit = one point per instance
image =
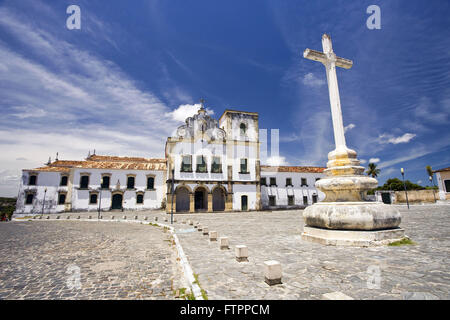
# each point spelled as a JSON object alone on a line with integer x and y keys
{"x": 209, "y": 165}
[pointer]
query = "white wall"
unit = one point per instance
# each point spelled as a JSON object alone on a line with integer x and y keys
{"x": 281, "y": 191}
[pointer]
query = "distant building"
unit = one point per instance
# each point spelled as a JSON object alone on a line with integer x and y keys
{"x": 214, "y": 166}
{"x": 443, "y": 179}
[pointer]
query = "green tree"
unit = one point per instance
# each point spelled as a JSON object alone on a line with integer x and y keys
{"x": 429, "y": 171}
{"x": 372, "y": 170}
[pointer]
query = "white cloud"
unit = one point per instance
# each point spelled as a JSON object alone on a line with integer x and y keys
{"x": 312, "y": 81}
{"x": 387, "y": 138}
{"x": 362, "y": 161}
{"x": 349, "y": 127}
{"x": 374, "y": 160}
{"x": 276, "y": 161}
{"x": 187, "y": 110}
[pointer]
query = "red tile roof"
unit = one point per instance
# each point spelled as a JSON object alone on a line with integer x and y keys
{"x": 292, "y": 169}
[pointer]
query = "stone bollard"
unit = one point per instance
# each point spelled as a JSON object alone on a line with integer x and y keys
{"x": 135, "y": 217}
{"x": 199, "y": 227}
{"x": 48, "y": 217}
{"x": 40, "y": 217}
{"x": 184, "y": 221}
{"x": 78, "y": 217}
{"x": 190, "y": 222}
{"x": 205, "y": 231}
{"x": 241, "y": 253}
{"x": 165, "y": 219}
{"x": 57, "y": 217}
{"x": 101, "y": 217}
{"x": 124, "y": 217}
{"x": 90, "y": 217}
{"x": 272, "y": 272}
{"x": 174, "y": 219}
{"x": 156, "y": 218}
{"x": 145, "y": 218}
{"x": 224, "y": 244}
{"x": 68, "y": 217}
{"x": 112, "y": 217}
{"x": 213, "y": 236}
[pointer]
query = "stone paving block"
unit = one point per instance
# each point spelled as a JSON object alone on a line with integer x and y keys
{"x": 336, "y": 296}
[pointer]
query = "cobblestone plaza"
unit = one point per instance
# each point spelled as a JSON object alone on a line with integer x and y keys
{"x": 135, "y": 261}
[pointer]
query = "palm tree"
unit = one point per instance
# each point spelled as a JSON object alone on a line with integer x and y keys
{"x": 372, "y": 170}
{"x": 429, "y": 171}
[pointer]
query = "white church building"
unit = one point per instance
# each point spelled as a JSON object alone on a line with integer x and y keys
{"x": 209, "y": 165}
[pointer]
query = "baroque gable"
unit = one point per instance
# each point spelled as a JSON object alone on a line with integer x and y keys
{"x": 201, "y": 126}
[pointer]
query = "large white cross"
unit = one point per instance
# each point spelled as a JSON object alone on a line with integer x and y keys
{"x": 330, "y": 61}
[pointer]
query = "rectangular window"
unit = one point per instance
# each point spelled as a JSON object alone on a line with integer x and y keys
{"x": 288, "y": 182}
{"x": 290, "y": 200}
{"x": 314, "y": 198}
{"x": 105, "y": 182}
{"x": 130, "y": 183}
{"x": 201, "y": 164}
{"x": 186, "y": 164}
{"x": 263, "y": 181}
{"x": 216, "y": 165}
{"x": 244, "y": 166}
{"x": 447, "y": 185}
{"x": 63, "y": 181}
{"x": 29, "y": 199}
{"x": 150, "y": 183}
{"x": 32, "y": 180}
{"x": 140, "y": 199}
{"x": 305, "y": 200}
{"x": 84, "y": 182}
{"x": 273, "y": 181}
{"x": 93, "y": 198}
{"x": 272, "y": 201}
{"x": 317, "y": 179}
{"x": 61, "y": 198}
{"x": 304, "y": 184}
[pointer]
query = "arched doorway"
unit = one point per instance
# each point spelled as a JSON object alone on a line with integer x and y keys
{"x": 182, "y": 196}
{"x": 200, "y": 199}
{"x": 117, "y": 201}
{"x": 218, "y": 199}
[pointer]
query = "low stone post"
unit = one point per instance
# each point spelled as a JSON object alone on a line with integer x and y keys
{"x": 112, "y": 217}
{"x": 78, "y": 217}
{"x": 199, "y": 227}
{"x": 145, "y": 218}
{"x": 90, "y": 217}
{"x": 68, "y": 217}
{"x": 205, "y": 231}
{"x": 124, "y": 217}
{"x": 57, "y": 217}
{"x": 135, "y": 217}
{"x": 213, "y": 236}
{"x": 224, "y": 244}
{"x": 190, "y": 222}
{"x": 272, "y": 272}
{"x": 156, "y": 218}
{"x": 241, "y": 252}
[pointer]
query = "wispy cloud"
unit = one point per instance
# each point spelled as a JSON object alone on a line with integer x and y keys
{"x": 405, "y": 138}
{"x": 374, "y": 160}
{"x": 311, "y": 80}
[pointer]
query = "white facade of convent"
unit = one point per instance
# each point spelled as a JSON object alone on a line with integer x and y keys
{"x": 209, "y": 165}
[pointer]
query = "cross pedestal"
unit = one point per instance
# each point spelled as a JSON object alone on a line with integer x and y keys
{"x": 344, "y": 217}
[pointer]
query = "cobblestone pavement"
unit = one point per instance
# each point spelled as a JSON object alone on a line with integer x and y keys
{"x": 420, "y": 271}
{"x": 39, "y": 260}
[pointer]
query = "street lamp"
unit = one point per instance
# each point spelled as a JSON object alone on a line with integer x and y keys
{"x": 43, "y": 202}
{"x": 432, "y": 186}
{"x": 172, "y": 191}
{"x": 404, "y": 185}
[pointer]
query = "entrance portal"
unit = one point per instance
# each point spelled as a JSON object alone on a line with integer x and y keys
{"x": 117, "y": 201}
{"x": 182, "y": 204}
{"x": 201, "y": 200}
{"x": 218, "y": 200}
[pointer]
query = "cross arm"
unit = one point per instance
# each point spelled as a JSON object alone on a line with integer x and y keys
{"x": 321, "y": 57}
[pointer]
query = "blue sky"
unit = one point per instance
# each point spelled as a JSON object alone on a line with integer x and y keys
{"x": 122, "y": 83}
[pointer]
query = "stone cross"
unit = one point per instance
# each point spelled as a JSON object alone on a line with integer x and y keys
{"x": 329, "y": 59}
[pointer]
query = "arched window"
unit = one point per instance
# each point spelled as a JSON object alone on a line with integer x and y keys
{"x": 243, "y": 128}
{"x": 84, "y": 182}
{"x": 140, "y": 199}
{"x": 130, "y": 183}
{"x": 63, "y": 181}
{"x": 150, "y": 183}
{"x": 32, "y": 180}
{"x": 93, "y": 198}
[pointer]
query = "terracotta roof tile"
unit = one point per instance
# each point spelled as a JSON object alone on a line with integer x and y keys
{"x": 441, "y": 170}
{"x": 292, "y": 169}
